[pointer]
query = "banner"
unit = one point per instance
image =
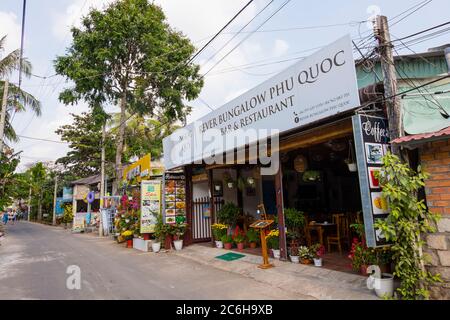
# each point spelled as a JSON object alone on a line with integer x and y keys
{"x": 315, "y": 88}
{"x": 150, "y": 204}
{"x": 371, "y": 144}
{"x": 174, "y": 198}
{"x": 79, "y": 222}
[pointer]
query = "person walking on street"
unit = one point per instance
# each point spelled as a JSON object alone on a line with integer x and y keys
{"x": 5, "y": 217}
{"x": 14, "y": 216}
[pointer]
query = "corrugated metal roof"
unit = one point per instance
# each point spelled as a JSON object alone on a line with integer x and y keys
{"x": 423, "y": 137}
{"x": 89, "y": 180}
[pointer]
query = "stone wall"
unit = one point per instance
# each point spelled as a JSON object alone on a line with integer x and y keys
{"x": 435, "y": 158}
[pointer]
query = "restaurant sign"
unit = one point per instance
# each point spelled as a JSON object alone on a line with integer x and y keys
{"x": 371, "y": 144}
{"x": 317, "y": 87}
{"x": 150, "y": 204}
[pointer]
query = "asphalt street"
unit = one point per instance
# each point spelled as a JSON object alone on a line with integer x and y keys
{"x": 34, "y": 260}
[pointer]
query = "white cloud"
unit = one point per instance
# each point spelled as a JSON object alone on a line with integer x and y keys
{"x": 63, "y": 21}
{"x": 10, "y": 26}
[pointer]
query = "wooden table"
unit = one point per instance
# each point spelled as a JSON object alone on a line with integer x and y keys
{"x": 319, "y": 226}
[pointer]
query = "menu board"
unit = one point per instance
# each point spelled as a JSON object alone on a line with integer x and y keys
{"x": 150, "y": 204}
{"x": 371, "y": 144}
{"x": 174, "y": 198}
{"x": 79, "y": 222}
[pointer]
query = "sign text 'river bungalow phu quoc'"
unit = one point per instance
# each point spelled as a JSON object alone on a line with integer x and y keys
{"x": 317, "y": 87}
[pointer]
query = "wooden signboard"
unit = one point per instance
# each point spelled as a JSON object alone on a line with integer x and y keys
{"x": 262, "y": 225}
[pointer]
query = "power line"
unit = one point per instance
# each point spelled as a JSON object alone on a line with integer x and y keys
{"x": 250, "y": 34}
{"x": 420, "y": 6}
{"x": 217, "y": 34}
{"x": 237, "y": 33}
{"x": 423, "y": 31}
{"x": 42, "y": 139}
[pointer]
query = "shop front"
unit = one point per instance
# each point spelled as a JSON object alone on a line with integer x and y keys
{"x": 294, "y": 159}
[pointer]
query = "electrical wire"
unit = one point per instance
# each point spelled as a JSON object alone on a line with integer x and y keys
{"x": 245, "y": 38}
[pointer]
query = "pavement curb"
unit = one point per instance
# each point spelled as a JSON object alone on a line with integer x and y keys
{"x": 317, "y": 283}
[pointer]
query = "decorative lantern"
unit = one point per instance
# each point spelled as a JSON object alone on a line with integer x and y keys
{"x": 300, "y": 163}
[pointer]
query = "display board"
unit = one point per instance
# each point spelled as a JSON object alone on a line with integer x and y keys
{"x": 138, "y": 169}
{"x": 150, "y": 204}
{"x": 371, "y": 144}
{"x": 174, "y": 198}
{"x": 79, "y": 222}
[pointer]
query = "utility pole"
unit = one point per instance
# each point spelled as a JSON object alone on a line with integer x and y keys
{"x": 3, "y": 113}
{"x": 102, "y": 181}
{"x": 29, "y": 204}
{"x": 54, "y": 199}
{"x": 393, "y": 106}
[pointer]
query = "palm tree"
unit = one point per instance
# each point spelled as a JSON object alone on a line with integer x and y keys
{"x": 18, "y": 99}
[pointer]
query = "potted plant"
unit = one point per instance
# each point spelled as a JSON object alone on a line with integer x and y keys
{"x": 228, "y": 180}
{"x": 293, "y": 253}
{"x": 252, "y": 237}
{"x": 351, "y": 161}
{"x": 219, "y": 230}
{"x": 179, "y": 229}
{"x": 361, "y": 256}
{"x": 305, "y": 255}
{"x": 273, "y": 242}
{"x": 317, "y": 250}
{"x": 311, "y": 175}
{"x": 158, "y": 234}
{"x": 228, "y": 214}
{"x": 227, "y": 241}
{"x": 128, "y": 236}
{"x": 239, "y": 239}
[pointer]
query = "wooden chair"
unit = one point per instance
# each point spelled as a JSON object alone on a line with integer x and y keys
{"x": 342, "y": 232}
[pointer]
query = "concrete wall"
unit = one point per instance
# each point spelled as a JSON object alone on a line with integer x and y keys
{"x": 435, "y": 158}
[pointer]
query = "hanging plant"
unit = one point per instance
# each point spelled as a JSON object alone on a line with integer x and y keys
{"x": 311, "y": 175}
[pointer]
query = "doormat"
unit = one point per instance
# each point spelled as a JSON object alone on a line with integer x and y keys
{"x": 230, "y": 256}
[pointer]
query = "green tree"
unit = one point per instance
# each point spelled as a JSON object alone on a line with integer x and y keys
{"x": 130, "y": 56}
{"x": 84, "y": 136}
{"x": 8, "y": 165}
{"x": 18, "y": 99}
{"x": 38, "y": 174}
{"x": 143, "y": 135}
{"x": 408, "y": 219}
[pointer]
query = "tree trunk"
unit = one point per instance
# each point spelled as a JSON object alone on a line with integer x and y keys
{"x": 119, "y": 147}
{"x": 39, "y": 215}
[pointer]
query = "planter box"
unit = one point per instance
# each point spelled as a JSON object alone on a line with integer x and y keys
{"x": 142, "y": 245}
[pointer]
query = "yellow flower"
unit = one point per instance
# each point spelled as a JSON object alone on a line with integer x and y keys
{"x": 219, "y": 226}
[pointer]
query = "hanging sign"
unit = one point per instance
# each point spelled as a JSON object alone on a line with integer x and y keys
{"x": 371, "y": 144}
{"x": 150, "y": 204}
{"x": 174, "y": 198}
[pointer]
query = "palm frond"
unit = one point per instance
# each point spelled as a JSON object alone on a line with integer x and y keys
{"x": 26, "y": 100}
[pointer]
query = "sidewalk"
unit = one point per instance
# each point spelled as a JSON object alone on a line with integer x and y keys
{"x": 318, "y": 283}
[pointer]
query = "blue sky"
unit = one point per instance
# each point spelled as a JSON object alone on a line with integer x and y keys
{"x": 47, "y": 35}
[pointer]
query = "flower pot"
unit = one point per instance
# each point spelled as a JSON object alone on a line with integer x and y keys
{"x": 276, "y": 253}
{"x": 130, "y": 243}
{"x": 384, "y": 286}
{"x": 156, "y": 246}
{"x": 363, "y": 270}
{"x": 219, "y": 244}
{"x": 178, "y": 244}
{"x": 305, "y": 261}
{"x": 240, "y": 246}
{"x": 352, "y": 167}
{"x": 168, "y": 243}
{"x": 318, "y": 262}
{"x": 227, "y": 245}
{"x": 295, "y": 259}
{"x": 253, "y": 245}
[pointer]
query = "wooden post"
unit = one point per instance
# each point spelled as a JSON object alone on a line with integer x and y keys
{"x": 265, "y": 264}
{"x": 3, "y": 113}
{"x": 211, "y": 202}
{"x": 188, "y": 237}
{"x": 280, "y": 213}
{"x": 393, "y": 106}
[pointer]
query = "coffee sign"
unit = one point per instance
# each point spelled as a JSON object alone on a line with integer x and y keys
{"x": 371, "y": 144}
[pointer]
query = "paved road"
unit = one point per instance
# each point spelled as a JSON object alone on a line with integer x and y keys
{"x": 34, "y": 260}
